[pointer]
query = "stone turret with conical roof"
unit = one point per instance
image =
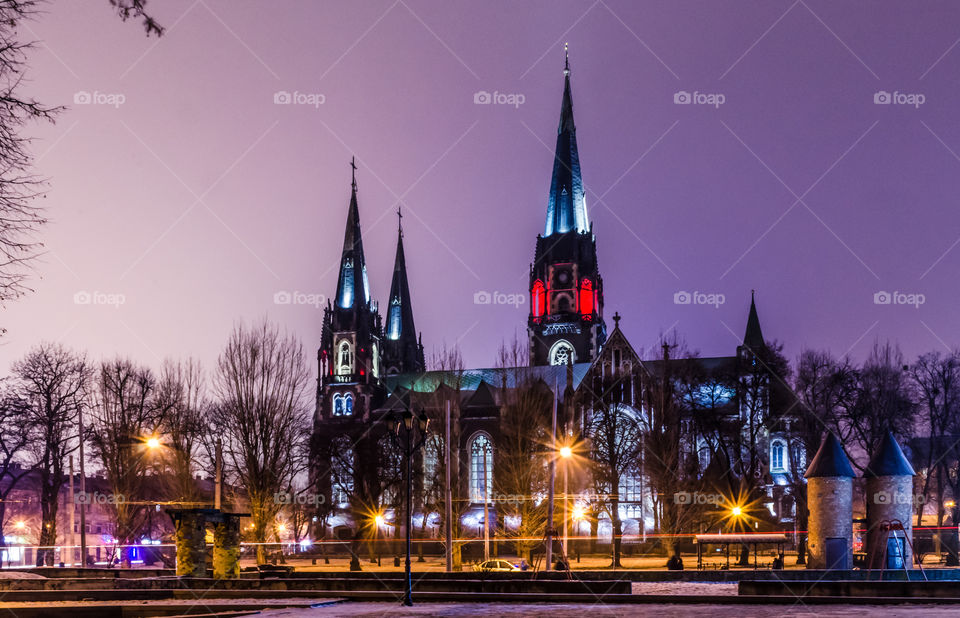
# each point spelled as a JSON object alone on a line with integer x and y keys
{"x": 890, "y": 500}
{"x": 830, "y": 504}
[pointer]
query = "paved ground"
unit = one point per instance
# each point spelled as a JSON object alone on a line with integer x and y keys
{"x": 613, "y": 611}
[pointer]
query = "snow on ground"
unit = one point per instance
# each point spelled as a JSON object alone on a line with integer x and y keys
{"x": 457, "y": 610}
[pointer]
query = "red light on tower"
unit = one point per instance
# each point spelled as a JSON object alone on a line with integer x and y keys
{"x": 586, "y": 298}
{"x": 537, "y": 299}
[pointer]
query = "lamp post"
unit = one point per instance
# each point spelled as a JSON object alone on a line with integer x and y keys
{"x": 413, "y": 427}
{"x": 565, "y": 453}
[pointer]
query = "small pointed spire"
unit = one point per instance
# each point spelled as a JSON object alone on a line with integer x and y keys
{"x": 753, "y": 337}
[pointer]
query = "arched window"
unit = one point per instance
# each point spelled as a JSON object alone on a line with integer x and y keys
{"x": 704, "y": 454}
{"x": 344, "y": 359}
{"x": 338, "y": 405}
{"x": 342, "y": 472}
{"x": 376, "y": 360}
{"x": 586, "y": 297}
{"x": 561, "y": 353}
{"x": 537, "y": 299}
{"x": 348, "y": 404}
{"x": 481, "y": 468}
{"x": 778, "y": 456}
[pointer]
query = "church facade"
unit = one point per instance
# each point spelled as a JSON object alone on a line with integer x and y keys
{"x": 371, "y": 365}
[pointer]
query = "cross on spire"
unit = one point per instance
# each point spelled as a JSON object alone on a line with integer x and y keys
{"x": 353, "y": 172}
{"x": 616, "y": 320}
{"x": 399, "y": 220}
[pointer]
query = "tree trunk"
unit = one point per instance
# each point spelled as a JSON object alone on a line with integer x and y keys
{"x": 617, "y": 533}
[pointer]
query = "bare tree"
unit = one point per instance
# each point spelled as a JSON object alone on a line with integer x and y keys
{"x": 15, "y": 446}
{"x": 261, "y": 385}
{"x": 125, "y": 415}
{"x": 884, "y": 402}
{"x": 181, "y": 401}
{"x": 936, "y": 379}
{"x": 53, "y": 381}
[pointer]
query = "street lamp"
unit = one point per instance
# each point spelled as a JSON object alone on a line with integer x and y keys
{"x": 153, "y": 443}
{"x": 566, "y": 452}
{"x": 413, "y": 427}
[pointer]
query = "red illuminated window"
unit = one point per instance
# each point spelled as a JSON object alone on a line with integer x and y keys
{"x": 586, "y": 297}
{"x": 538, "y": 299}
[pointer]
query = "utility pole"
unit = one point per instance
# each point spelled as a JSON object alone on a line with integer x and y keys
{"x": 486, "y": 510}
{"x": 218, "y": 474}
{"x": 553, "y": 474}
{"x": 73, "y": 516}
{"x": 448, "y": 490}
{"x": 83, "y": 492}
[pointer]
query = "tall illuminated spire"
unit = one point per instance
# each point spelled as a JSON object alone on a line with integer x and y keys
{"x": 566, "y": 206}
{"x": 353, "y": 284}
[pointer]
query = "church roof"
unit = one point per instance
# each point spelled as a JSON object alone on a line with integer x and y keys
{"x": 566, "y": 206}
{"x": 352, "y": 284}
{"x": 889, "y": 460}
{"x": 470, "y": 379}
{"x": 830, "y": 460}
{"x": 753, "y": 337}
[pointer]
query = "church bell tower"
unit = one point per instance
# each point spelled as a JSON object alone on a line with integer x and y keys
{"x": 566, "y": 291}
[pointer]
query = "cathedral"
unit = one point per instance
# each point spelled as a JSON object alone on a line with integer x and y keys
{"x": 371, "y": 365}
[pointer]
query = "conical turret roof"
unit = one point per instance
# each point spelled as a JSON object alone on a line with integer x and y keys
{"x": 889, "y": 460}
{"x": 830, "y": 460}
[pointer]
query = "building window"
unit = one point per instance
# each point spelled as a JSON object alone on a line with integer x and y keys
{"x": 778, "y": 456}
{"x": 375, "y": 362}
{"x": 348, "y": 404}
{"x": 342, "y": 474}
{"x": 338, "y": 404}
{"x": 344, "y": 359}
{"x": 481, "y": 468}
{"x": 343, "y": 404}
{"x": 562, "y": 353}
{"x": 704, "y": 454}
{"x": 431, "y": 458}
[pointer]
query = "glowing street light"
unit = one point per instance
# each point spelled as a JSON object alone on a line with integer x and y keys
{"x": 282, "y": 527}
{"x": 378, "y": 519}
{"x": 566, "y": 452}
{"x": 153, "y": 442}
{"x": 736, "y": 511}
{"x": 21, "y": 525}
{"x": 579, "y": 512}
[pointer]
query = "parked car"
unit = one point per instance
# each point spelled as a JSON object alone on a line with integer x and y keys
{"x": 496, "y": 565}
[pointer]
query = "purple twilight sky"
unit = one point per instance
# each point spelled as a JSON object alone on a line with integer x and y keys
{"x": 180, "y": 187}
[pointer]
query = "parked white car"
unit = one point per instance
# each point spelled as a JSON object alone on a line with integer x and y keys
{"x": 496, "y": 565}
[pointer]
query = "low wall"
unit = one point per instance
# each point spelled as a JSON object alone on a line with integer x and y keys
{"x": 852, "y": 588}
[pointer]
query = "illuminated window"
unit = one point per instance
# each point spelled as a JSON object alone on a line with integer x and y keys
{"x": 778, "y": 456}
{"x": 344, "y": 359}
{"x": 376, "y": 360}
{"x": 562, "y": 353}
{"x": 481, "y": 468}
{"x": 348, "y": 404}
{"x": 338, "y": 405}
{"x": 538, "y": 299}
{"x": 586, "y": 297}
